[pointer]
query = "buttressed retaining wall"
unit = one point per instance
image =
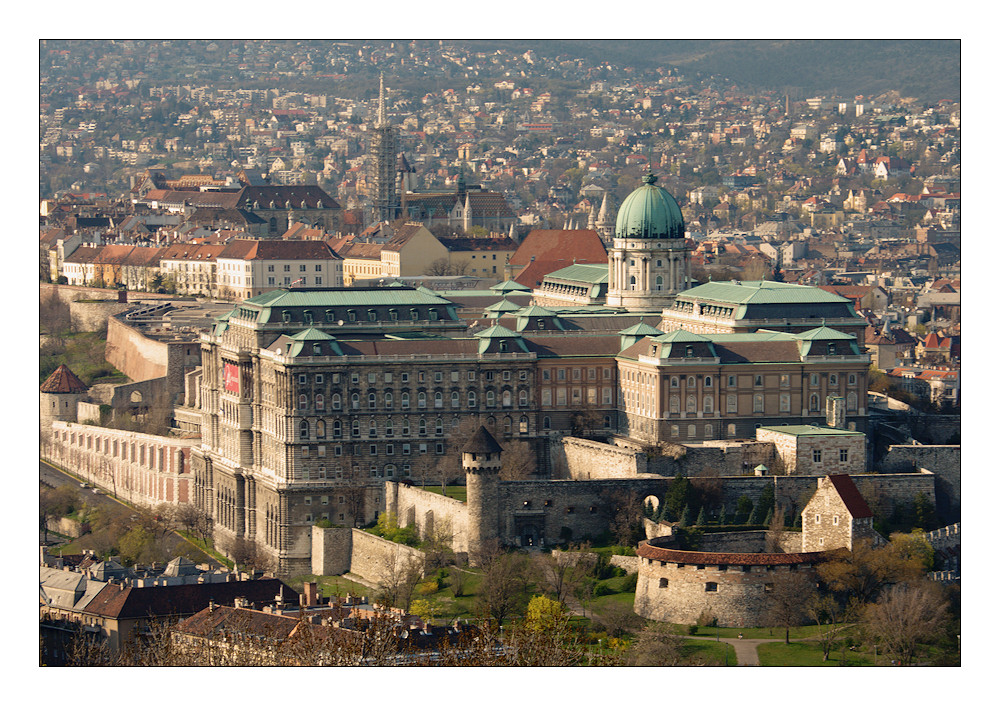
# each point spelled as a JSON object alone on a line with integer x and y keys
{"x": 433, "y": 515}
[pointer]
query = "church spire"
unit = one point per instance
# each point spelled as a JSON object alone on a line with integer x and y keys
{"x": 380, "y": 120}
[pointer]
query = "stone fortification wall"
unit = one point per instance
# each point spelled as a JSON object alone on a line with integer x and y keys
{"x": 750, "y": 542}
{"x": 629, "y": 563}
{"x": 142, "y": 469}
{"x": 716, "y": 458}
{"x": 429, "y": 513}
{"x": 591, "y": 460}
{"x": 70, "y": 293}
{"x": 93, "y": 315}
{"x": 793, "y": 492}
{"x": 375, "y": 559}
{"x": 945, "y": 462}
{"x": 139, "y": 357}
{"x": 331, "y": 550}
{"x": 677, "y": 586}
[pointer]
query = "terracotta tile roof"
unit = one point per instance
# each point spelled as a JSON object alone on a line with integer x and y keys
{"x": 119, "y": 602}
{"x": 583, "y": 246}
{"x": 240, "y": 249}
{"x": 647, "y": 550}
{"x": 851, "y": 496}
{"x": 63, "y": 380}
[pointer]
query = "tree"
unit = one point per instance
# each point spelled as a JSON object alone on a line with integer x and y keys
{"x": 626, "y": 521}
{"x": 544, "y": 614}
{"x": 765, "y": 503}
{"x": 656, "y": 647}
{"x": 824, "y": 609}
{"x": 518, "y": 460}
{"x": 787, "y": 598}
{"x": 399, "y": 575}
{"x": 503, "y": 589}
{"x": 54, "y": 503}
{"x": 562, "y": 573}
{"x": 861, "y": 572}
{"x": 905, "y": 615}
{"x": 618, "y": 619}
{"x": 245, "y": 553}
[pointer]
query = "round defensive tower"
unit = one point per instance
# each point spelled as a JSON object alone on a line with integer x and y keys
{"x": 481, "y": 462}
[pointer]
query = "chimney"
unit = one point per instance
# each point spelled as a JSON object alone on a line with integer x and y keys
{"x": 309, "y": 594}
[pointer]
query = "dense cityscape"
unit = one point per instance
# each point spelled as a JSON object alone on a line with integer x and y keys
{"x": 499, "y": 353}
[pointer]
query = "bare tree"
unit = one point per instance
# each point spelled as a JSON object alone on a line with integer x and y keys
{"x": 656, "y": 647}
{"x": 398, "y": 576}
{"x": 824, "y": 610}
{"x": 905, "y": 615}
{"x": 787, "y": 597}
{"x": 518, "y": 460}
{"x": 562, "y": 573}
{"x": 503, "y": 590}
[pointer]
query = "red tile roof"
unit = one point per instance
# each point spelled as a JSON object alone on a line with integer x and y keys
{"x": 63, "y": 381}
{"x": 581, "y": 246}
{"x": 851, "y": 496}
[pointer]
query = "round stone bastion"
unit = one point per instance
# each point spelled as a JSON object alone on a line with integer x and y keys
{"x": 677, "y": 586}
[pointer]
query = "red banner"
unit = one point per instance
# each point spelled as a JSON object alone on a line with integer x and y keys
{"x": 231, "y": 374}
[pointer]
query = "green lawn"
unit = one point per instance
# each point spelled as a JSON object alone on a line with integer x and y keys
{"x": 709, "y": 653}
{"x": 809, "y": 654}
{"x": 330, "y": 585}
{"x": 458, "y": 492}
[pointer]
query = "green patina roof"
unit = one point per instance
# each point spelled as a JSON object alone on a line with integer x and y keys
{"x": 383, "y": 296}
{"x": 310, "y": 334}
{"x": 585, "y": 274}
{"x": 649, "y": 212}
{"x": 300, "y": 343}
{"x": 825, "y": 333}
{"x": 812, "y": 430}
{"x": 510, "y": 286}
{"x": 759, "y": 293}
{"x": 497, "y": 331}
{"x": 504, "y": 305}
{"x": 535, "y": 310}
{"x": 681, "y": 336}
{"x": 641, "y": 329}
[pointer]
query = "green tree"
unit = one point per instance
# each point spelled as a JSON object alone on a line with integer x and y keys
{"x": 544, "y": 614}
{"x": 744, "y": 506}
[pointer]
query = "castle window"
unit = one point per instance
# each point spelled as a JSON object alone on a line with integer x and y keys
{"x": 304, "y": 429}
{"x": 817, "y": 455}
{"x": 674, "y": 381}
{"x": 335, "y": 402}
{"x": 843, "y": 457}
{"x": 836, "y": 519}
{"x": 833, "y": 378}
{"x": 818, "y": 516}
{"x": 303, "y": 402}
{"x": 708, "y": 381}
{"x": 664, "y": 583}
{"x": 711, "y": 587}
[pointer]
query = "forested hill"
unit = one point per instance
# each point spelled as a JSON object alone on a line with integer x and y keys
{"x": 927, "y": 70}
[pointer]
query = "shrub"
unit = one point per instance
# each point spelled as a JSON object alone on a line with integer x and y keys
{"x": 602, "y": 589}
{"x": 629, "y": 584}
{"x": 324, "y": 523}
{"x": 707, "y": 619}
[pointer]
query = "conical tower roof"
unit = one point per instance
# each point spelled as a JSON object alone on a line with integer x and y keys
{"x": 482, "y": 442}
{"x": 63, "y": 381}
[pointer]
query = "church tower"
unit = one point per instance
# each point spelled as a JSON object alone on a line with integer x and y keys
{"x": 382, "y": 163}
{"x": 649, "y": 262}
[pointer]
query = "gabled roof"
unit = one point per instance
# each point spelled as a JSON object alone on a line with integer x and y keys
{"x": 582, "y": 246}
{"x": 849, "y": 493}
{"x": 121, "y": 602}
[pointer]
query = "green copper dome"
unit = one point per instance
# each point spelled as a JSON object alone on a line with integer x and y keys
{"x": 649, "y": 212}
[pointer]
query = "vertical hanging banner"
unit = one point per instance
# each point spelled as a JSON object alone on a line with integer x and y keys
{"x": 231, "y": 377}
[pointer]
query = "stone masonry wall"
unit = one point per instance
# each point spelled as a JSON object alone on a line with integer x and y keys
{"x": 331, "y": 550}
{"x": 374, "y": 558}
{"x": 429, "y": 513}
{"x": 139, "y": 357}
{"x": 586, "y": 459}
{"x": 945, "y": 462}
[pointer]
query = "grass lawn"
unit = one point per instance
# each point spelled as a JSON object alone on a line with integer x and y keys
{"x": 710, "y": 654}
{"x": 808, "y": 654}
{"x": 330, "y": 585}
{"x": 457, "y": 492}
{"x": 752, "y": 633}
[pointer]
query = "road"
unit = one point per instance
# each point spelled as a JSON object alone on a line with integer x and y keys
{"x": 173, "y": 543}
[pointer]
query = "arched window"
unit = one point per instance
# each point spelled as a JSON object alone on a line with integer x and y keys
{"x": 335, "y": 401}
{"x": 336, "y": 429}
{"x": 692, "y": 404}
{"x": 523, "y": 425}
{"x": 320, "y": 403}
{"x": 404, "y": 400}
{"x": 546, "y": 423}
{"x": 422, "y": 426}
{"x": 438, "y": 400}
{"x": 852, "y": 401}
{"x": 355, "y": 401}
{"x": 507, "y": 425}
{"x": 522, "y": 398}
{"x": 731, "y": 430}
{"x": 439, "y": 426}
{"x": 372, "y": 429}
{"x": 421, "y": 400}
{"x": 814, "y": 402}
{"x": 356, "y": 428}
{"x": 708, "y": 404}
{"x": 675, "y": 404}
{"x": 472, "y": 399}
{"x": 709, "y": 431}
{"x": 320, "y": 429}
{"x": 388, "y": 427}
{"x": 659, "y": 283}
{"x": 491, "y": 398}
{"x": 456, "y": 400}
{"x": 631, "y": 282}
{"x": 388, "y": 400}
{"x": 303, "y": 402}
{"x": 692, "y": 431}
{"x": 304, "y": 429}
{"x": 758, "y": 402}
{"x": 507, "y": 398}
{"x": 371, "y": 400}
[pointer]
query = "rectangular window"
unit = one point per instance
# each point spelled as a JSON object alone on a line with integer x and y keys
{"x": 843, "y": 455}
{"x": 711, "y": 587}
{"x": 817, "y": 455}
